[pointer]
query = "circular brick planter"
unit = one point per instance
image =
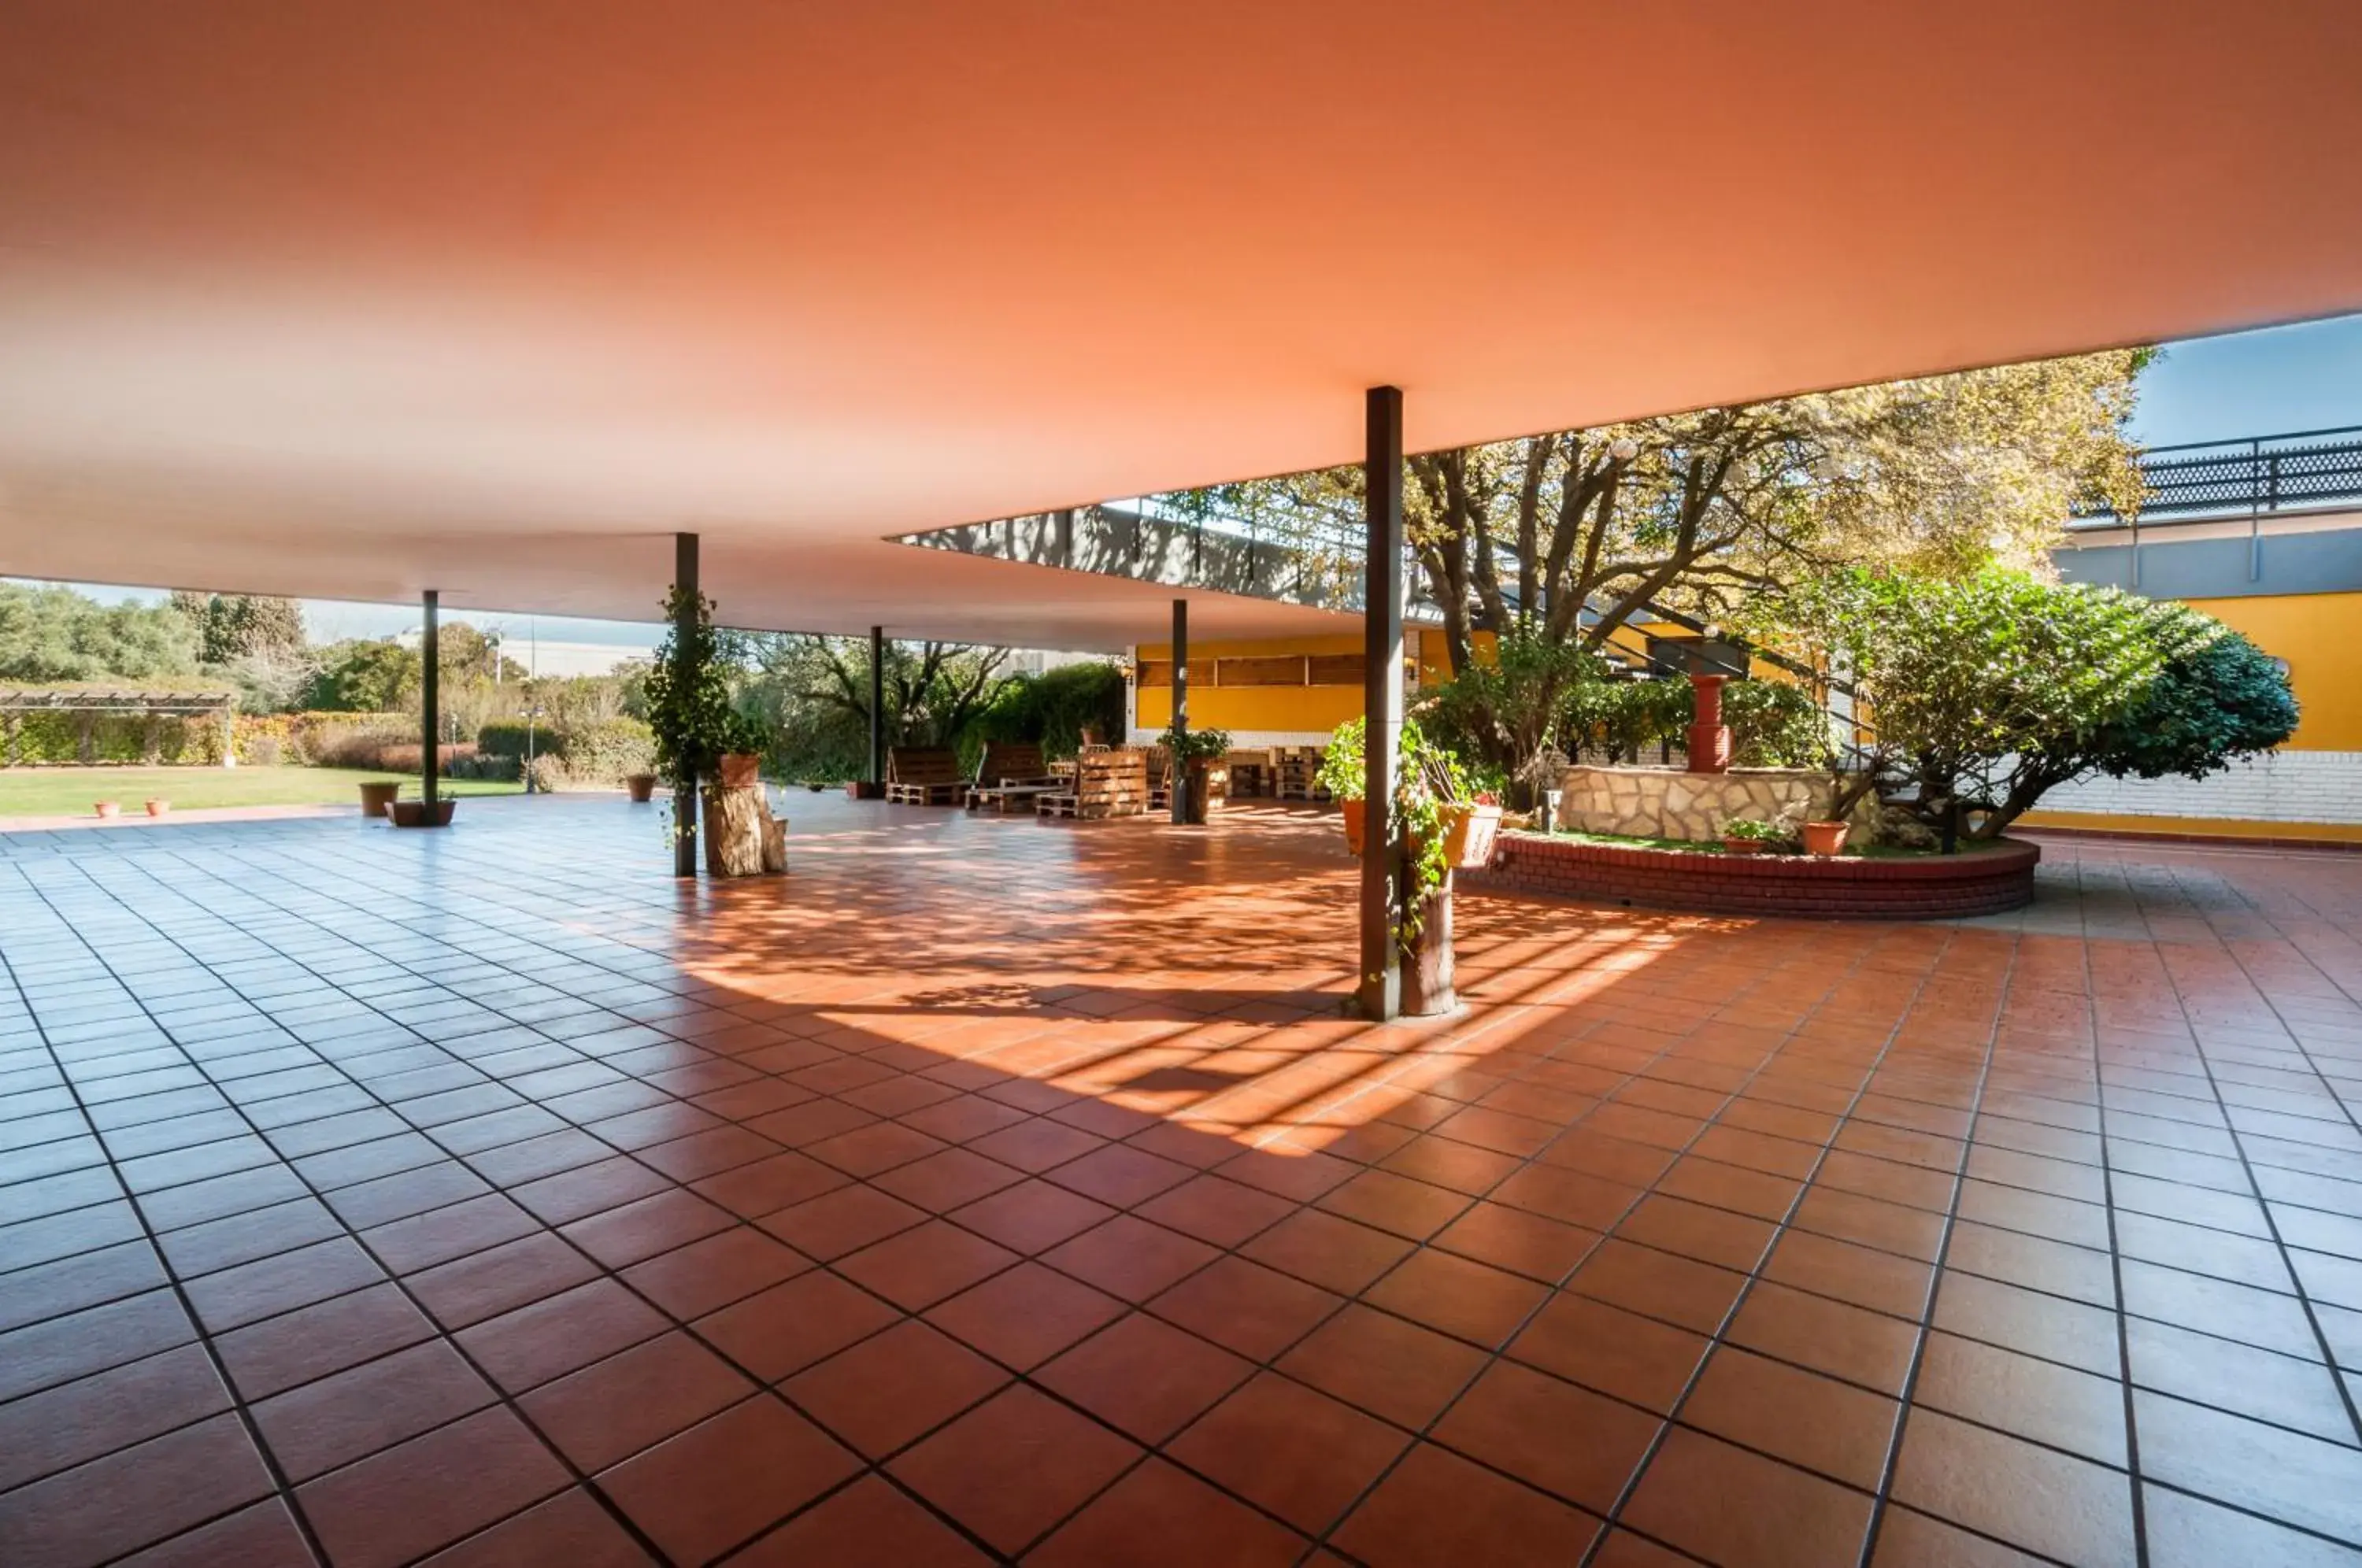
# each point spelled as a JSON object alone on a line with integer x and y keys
{"x": 1939, "y": 887}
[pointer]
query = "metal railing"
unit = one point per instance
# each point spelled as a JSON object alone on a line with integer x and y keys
{"x": 2196, "y": 479}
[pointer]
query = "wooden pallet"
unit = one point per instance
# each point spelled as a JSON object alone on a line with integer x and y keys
{"x": 1294, "y": 769}
{"x": 1107, "y": 784}
{"x": 924, "y": 776}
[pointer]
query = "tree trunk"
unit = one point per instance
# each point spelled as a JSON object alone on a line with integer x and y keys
{"x": 734, "y": 828}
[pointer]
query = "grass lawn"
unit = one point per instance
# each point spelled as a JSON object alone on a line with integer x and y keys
{"x": 72, "y": 791}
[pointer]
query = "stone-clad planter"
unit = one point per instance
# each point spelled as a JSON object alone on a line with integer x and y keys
{"x": 1666, "y": 802}
{"x": 1926, "y": 887}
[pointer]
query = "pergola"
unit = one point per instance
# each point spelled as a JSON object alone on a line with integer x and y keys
{"x": 15, "y": 702}
{"x": 324, "y": 302}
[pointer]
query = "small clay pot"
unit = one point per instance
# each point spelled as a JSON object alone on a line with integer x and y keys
{"x": 158, "y": 808}
{"x": 1349, "y": 812}
{"x": 740, "y": 769}
{"x": 642, "y": 786}
{"x": 109, "y": 808}
{"x": 1743, "y": 845}
{"x": 1825, "y": 839}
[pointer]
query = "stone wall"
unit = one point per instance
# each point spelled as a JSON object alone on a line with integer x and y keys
{"x": 1664, "y": 802}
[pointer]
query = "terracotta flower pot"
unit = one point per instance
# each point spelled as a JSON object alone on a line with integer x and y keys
{"x": 642, "y": 786}
{"x": 740, "y": 769}
{"x": 158, "y": 808}
{"x": 376, "y": 798}
{"x": 1825, "y": 839}
{"x": 1468, "y": 835}
{"x": 1743, "y": 845}
{"x": 1351, "y": 813}
{"x": 415, "y": 815}
{"x": 109, "y": 808}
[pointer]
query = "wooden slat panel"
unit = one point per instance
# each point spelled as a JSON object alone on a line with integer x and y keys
{"x": 1337, "y": 670}
{"x": 1159, "y": 672}
{"x": 1286, "y": 669}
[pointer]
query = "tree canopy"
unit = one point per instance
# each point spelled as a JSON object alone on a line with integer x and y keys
{"x": 50, "y": 634}
{"x": 1991, "y": 689}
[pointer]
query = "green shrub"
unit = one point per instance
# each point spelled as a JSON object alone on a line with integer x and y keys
{"x": 601, "y": 750}
{"x": 1992, "y": 690}
{"x": 1054, "y": 708}
{"x": 1773, "y": 724}
{"x": 608, "y": 750}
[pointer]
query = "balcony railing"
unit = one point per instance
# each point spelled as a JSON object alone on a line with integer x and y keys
{"x": 2260, "y": 474}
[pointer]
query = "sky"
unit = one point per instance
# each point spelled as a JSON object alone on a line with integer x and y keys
{"x": 2245, "y": 383}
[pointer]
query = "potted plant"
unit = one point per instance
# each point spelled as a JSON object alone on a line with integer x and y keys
{"x": 738, "y": 740}
{"x": 1469, "y": 828}
{"x": 1751, "y": 836}
{"x": 1824, "y": 839}
{"x": 1440, "y": 814}
{"x": 109, "y": 808}
{"x": 377, "y": 795}
{"x": 1194, "y": 752}
{"x": 156, "y": 807}
{"x": 643, "y": 787}
{"x": 1343, "y": 773}
{"x": 688, "y": 699}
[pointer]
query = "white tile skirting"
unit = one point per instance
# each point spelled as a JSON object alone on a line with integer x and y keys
{"x": 2281, "y": 787}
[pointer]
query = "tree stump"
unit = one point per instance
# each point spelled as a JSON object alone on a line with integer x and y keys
{"x": 738, "y": 823}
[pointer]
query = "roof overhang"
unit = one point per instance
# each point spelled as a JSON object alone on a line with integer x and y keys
{"x": 348, "y": 300}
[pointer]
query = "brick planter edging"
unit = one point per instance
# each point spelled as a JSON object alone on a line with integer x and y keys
{"x": 1984, "y": 881}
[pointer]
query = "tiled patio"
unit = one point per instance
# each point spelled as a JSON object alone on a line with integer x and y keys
{"x": 993, "y": 1190}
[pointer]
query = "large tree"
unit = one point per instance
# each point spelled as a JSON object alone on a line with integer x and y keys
{"x": 815, "y": 691}
{"x": 1564, "y": 538}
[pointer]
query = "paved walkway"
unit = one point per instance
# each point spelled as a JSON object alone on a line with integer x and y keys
{"x": 991, "y": 1190}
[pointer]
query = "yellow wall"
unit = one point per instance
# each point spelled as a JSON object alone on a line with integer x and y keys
{"x": 1294, "y": 708}
{"x": 2320, "y": 635}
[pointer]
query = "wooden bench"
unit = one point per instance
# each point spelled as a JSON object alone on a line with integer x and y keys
{"x": 924, "y": 776}
{"x": 1010, "y": 772}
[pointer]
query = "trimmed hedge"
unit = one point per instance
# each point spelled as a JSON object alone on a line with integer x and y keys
{"x": 600, "y": 751}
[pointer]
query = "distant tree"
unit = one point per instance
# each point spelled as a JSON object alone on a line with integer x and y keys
{"x": 53, "y": 633}
{"x": 374, "y": 676}
{"x": 234, "y": 626}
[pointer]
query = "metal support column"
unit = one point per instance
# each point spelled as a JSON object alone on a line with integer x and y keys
{"x": 1180, "y": 708}
{"x": 430, "y": 701}
{"x": 684, "y": 631}
{"x": 1380, "y": 991}
{"x": 878, "y": 709}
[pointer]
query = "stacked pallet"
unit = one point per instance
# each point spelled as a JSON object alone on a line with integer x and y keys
{"x": 1107, "y": 784}
{"x": 1293, "y": 767}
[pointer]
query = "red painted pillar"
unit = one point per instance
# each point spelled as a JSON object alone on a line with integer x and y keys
{"x": 1709, "y": 736}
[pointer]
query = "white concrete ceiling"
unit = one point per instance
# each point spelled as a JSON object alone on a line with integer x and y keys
{"x": 348, "y": 299}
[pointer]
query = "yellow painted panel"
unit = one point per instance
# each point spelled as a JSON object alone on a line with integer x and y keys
{"x": 1302, "y": 709}
{"x": 2320, "y": 635}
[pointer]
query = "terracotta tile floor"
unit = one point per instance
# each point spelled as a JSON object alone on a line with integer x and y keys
{"x": 993, "y": 1190}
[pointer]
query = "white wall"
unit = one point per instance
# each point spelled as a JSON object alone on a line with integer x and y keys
{"x": 2283, "y": 787}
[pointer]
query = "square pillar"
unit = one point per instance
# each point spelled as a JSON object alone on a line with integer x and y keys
{"x": 430, "y": 699}
{"x": 684, "y": 640}
{"x": 1379, "y": 991}
{"x": 878, "y": 709}
{"x": 1180, "y": 791}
